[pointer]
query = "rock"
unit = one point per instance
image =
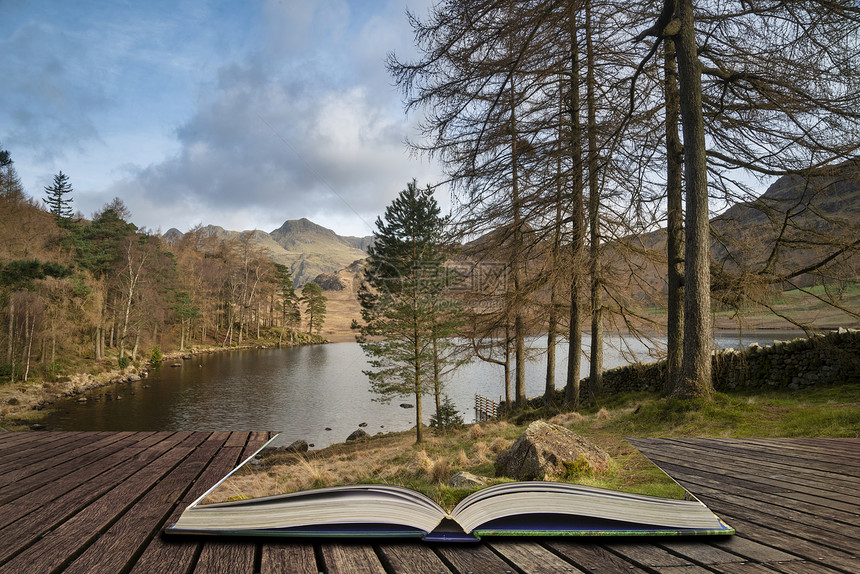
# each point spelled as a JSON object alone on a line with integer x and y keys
{"x": 297, "y": 446}
{"x": 357, "y": 435}
{"x": 406, "y": 406}
{"x": 465, "y": 479}
{"x": 37, "y": 426}
{"x": 13, "y": 402}
{"x": 133, "y": 378}
{"x": 362, "y": 425}
{"x": 82, "y": 400}
{"x": 186, "y": 357}
{"x": 542, "y": 451}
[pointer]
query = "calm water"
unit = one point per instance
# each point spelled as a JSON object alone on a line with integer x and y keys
{"x": 299, "y": 391}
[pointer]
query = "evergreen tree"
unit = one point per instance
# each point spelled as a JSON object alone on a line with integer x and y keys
{"x": 11, "y": 189}
{"x": 315, "y": 305}
{"x": 406, "y": 317}
{"x": 58, "y": 197}
{"x": 291, "y": 314}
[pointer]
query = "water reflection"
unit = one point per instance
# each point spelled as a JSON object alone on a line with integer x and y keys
{"x": 301, "y": 392}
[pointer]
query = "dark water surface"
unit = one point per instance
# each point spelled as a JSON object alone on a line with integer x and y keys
{"x": 299, "y": 391}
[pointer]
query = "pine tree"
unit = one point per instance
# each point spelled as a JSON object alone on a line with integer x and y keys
{"x": 58, "y": 197}
{"x": 407, "y": 319}
{"x": 291, "y": 314}
{"x": 315, "y": 305}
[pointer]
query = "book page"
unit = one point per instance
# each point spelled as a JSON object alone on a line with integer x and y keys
{"x": 394, "y": 459}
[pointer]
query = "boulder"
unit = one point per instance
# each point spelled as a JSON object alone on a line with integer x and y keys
{"x": 542, "y": 451}
{"x": 465, "y": 479}
{"x": 297, "y": 446}
{"x": 356, "y": 435}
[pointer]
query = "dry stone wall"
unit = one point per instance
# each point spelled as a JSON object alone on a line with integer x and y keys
{"x": 831, "y": 358}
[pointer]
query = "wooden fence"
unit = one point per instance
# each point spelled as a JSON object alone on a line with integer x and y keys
{"x": 485, "y": 409}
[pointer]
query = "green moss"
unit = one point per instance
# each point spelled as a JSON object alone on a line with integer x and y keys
{"x": 577, "y": 469}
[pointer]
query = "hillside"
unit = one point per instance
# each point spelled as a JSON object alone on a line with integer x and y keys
{"x": 306, "y": 248}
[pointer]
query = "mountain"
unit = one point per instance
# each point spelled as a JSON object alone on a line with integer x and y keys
{"x": 306, "y": 248}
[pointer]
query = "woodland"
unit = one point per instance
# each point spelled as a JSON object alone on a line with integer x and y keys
{"x": 587, "y": 145}
{"x": 78, "y": 293}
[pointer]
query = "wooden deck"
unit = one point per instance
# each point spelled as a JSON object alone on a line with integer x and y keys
{"x": 97, "y": 501}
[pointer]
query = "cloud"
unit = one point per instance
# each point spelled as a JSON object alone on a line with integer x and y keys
{"x": 46, "y": 97}
{"x": 236, "y": 114}
{"x": 292, "y": 130}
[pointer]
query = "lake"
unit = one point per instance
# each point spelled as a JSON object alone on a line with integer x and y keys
{"x": 302, "y": 391}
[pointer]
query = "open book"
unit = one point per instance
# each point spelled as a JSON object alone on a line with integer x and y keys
{"x": 533, "y": 508}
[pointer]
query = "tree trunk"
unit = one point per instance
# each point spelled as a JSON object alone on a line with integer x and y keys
{"x": 10, "y": 346}
{"x": 437, "y": 383}
{"x": 419, "y": 432}
{"x": 136, "y": 344}
{"x": 552, "y": 321}
{"x": 516, "y": 257}
{"x": 28, "y": 334}
{"x": 595, "y": 374}
{"x": 574, "y": 352}
{"x": 695, "y": 378}
{"x": 675, "y": 221}
{"x": 507, "y": 364}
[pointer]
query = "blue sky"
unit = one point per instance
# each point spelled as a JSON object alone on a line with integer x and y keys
{"x": 234, "y": 113}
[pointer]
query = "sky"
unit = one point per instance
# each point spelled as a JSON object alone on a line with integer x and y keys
{"x": 238, "y": 113}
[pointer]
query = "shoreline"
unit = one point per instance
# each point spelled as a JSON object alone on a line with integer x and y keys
{"x": 21, "y": 402}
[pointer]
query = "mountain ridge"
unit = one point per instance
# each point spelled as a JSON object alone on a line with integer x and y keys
{"x": 307, "y": 248}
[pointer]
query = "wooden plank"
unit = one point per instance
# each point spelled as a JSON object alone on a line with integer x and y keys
{"x": 740, "y": 480}
{"x": 725, "y": 550}
{"x": 801, "y": 567}
{"x": 116, "y": 547}
{"x": 181, "y": 552}
{"x": 800, "y": 546}
{"x": 240, "y": 443}
{"x": 237, "y": 439}
{"x": 744, "y": 568}
{"x": 749, "y": 474}
{"x": 56, "y": 547}
{"x": 52, "y": 444}
{"x": 31, "y": 463}
{"x": 350, "y": 558}
{"x": 226, "y": 558}
{"x": 21, "y": 533}
{"x": 795, "y": 463}
{"x": 50, "y": 468}
{"x": 646, "y": 554}
{"x": 27, "y": 502}
{"x": 532, "y": 558}
{"x": 256, "y": 440}
{"x": 281, "y": 557}
{"x": 822, "y": 515}
{"x": 473, "y": 558}
{"x": 591, "y": 557}
{"x": 790, "y": 451}
{"x": 24, "y": 439}
{"x": 411, "y": 558}
{"x": 821, "y": 531}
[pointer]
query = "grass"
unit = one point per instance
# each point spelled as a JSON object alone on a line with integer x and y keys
{"x": 395, "y": 459}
